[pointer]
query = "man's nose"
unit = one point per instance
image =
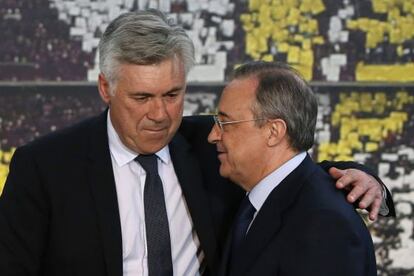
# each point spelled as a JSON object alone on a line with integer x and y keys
{"x": 157, "y": 110}
{"x": 215, "y": 134}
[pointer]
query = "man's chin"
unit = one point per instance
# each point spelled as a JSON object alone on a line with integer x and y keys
{"x": 223, "y": 172}
{"x": 152, "y": 146}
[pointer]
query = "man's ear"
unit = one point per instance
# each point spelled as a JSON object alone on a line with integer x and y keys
{"x": 104, "y": 89}
{"x": 278, "y": 131}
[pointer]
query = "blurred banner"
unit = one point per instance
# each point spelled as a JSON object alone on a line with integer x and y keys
{"x": 358, "y": 55}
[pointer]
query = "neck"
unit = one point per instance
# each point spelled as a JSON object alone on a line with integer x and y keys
{"x": 271, "y": 162}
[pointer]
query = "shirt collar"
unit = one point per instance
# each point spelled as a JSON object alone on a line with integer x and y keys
{"x": 261, "y": 191}
{"x": 122, "y": 154}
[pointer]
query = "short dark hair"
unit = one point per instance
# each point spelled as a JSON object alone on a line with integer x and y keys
{"x": 283, "y": 93}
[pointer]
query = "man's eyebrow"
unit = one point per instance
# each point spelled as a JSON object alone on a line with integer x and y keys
{"x": 141, "y": 93}
{"x": 175, "y": 89}
{"x": 223, "y": 114}
{"x": 149, "y": 94}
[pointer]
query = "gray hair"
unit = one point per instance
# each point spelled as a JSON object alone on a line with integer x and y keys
{"x": 283, "y": 93}
{"x": 143, "y": 38}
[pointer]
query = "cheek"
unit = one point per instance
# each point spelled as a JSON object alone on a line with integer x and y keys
{"x": 131, "y": 118}
{"x": 241, "y": 154}
{"x": 175, "y": 112}
{"x": 124, "y": 108}
{"x": 176, "y": 107}
{"x": 233, "y": 149}
{"x": 235, "y": 160}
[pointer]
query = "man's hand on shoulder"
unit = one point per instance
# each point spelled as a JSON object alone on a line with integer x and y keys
{"x": 362, "y": 187}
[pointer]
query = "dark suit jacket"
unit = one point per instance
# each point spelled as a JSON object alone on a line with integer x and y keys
{"x": 305, "y": 227}
{"x": 59, "y": 211}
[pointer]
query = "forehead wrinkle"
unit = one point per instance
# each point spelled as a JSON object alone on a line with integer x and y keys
{"x": 153, "y": 71}
{"x": 233, "y": 92}
{"x": 149, "y": 78}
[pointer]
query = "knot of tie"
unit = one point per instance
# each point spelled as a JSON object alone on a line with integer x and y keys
{"x": 148, "y": 162}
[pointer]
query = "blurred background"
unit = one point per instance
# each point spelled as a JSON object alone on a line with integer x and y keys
{"x": 357, "y": 55}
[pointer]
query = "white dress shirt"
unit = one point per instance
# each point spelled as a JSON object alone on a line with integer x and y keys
{"x": 130, "y": 180}
{"x": 262, "y": 190}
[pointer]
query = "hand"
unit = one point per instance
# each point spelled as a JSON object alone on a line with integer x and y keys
{"x": 360, "y": 186}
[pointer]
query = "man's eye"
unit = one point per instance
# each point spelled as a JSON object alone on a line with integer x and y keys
{"x": 172, "y": 95}
{"x": 141, "y": 98}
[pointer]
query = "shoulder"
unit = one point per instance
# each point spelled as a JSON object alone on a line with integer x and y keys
{"x": 324, "y": 210}
{"x": 320, "y": 191}
{"x": 319, "y": 199}
{"x": 66, "y": 141}
{"x": 312, "y": 189}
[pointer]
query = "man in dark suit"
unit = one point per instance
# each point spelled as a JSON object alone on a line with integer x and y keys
{"x": 292, "y": 220}
{"x": 126, "y": 192}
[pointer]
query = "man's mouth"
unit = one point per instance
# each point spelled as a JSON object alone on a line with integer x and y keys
{"x": 156, "y": 130}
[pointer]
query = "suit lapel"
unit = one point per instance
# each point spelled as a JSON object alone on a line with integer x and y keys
{"x": 101, "y": 179}
{"x": 103, "y": 190}
{"x": 269, "y": 219}
{"x": 224, "y": 264}
{"x": 187, "y": 168}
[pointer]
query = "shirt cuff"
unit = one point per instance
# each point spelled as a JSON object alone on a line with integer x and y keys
{"x": 384, "y": 210}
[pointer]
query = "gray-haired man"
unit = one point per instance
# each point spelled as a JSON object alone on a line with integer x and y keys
{"x": 76, "y": 202}
{"x": 292, "y": 221}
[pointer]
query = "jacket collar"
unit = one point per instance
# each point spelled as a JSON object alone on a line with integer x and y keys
{"x": 102, "y": 182}
{"x": 189, "y": 175}
{"x": 269, "y": 219}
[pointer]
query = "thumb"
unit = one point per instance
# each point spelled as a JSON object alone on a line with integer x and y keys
{"x": 336, "y": 173}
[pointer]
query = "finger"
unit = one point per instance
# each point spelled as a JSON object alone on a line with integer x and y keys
{"x": 368, "y": 198}
{"x": 347, "y": 179}
{"x": 336, "y": 173}
{"x": 375, "y": 207}
{"x": 357, "y": 191}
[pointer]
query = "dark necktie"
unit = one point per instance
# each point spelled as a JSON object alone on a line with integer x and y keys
{"x": 241, "y": 224}
{"x": 156, "y": 220}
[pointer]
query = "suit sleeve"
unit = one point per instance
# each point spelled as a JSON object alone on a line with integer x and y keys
{"x": 23, "y": 218}
{"x": 326, "y": 165}
{"x": 329, "y": 244}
